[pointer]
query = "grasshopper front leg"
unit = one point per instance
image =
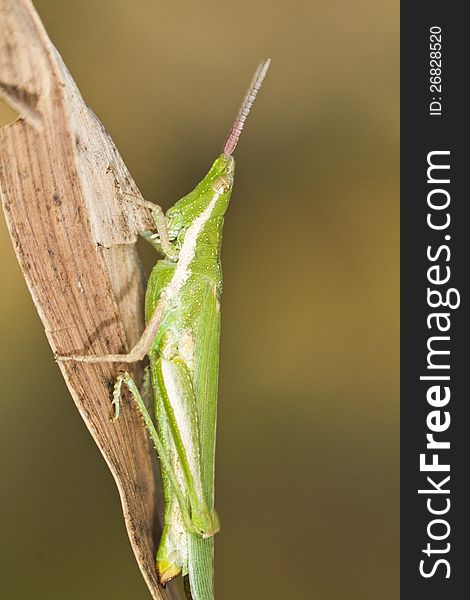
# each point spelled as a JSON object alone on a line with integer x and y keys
{"x": 157, "y": 214}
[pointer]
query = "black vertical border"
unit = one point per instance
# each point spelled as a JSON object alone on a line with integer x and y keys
{"x": 420, "y": 134}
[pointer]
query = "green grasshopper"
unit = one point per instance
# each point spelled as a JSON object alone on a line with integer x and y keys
{"x": 181, "y": 339}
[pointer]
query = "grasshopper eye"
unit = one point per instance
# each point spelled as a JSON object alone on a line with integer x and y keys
{"x": 223, "y": 184}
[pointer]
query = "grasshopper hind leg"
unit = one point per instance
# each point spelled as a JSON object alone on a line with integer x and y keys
{"x": 125, "y": 378}
{"x": 171, "y": 561}
{"x": 147, "y": 394}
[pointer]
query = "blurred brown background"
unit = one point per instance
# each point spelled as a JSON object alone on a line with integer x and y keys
{"x": 307, "y": 484}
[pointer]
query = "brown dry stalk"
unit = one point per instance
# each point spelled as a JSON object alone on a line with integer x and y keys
{"x": 74, "y": 237}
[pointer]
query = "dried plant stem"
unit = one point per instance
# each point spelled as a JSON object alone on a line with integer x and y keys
{"x": 74, "y": 238}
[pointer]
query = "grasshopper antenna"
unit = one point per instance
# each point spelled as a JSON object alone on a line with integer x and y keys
{"x": 238, "y": 124}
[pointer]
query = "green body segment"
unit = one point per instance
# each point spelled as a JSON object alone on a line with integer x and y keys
{"x": 184, "y": 363}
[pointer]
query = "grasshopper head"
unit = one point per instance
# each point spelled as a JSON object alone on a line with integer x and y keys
{"x": 219, "y": 180}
